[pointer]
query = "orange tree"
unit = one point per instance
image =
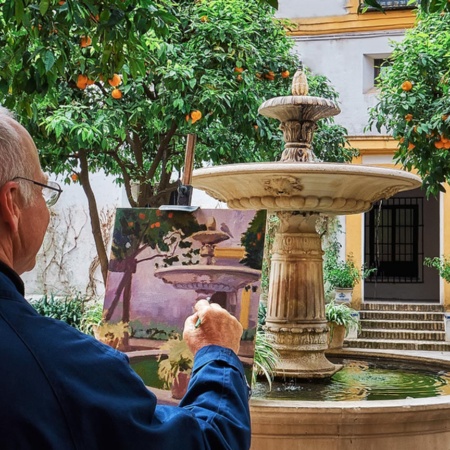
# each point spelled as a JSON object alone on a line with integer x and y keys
{"x": 414, "y": 101}
{"x": 117, "y": 85}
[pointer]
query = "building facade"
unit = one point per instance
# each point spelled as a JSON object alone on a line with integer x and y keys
{"x": 335, "y": 39}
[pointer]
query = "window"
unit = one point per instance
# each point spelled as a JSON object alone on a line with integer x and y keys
{"x": 392, "y": 4}
{"x": 394, "y": 240}
{"x": 380, "y": 67}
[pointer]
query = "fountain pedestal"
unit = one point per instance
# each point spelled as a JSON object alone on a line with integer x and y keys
{"x": 295, "y": 311}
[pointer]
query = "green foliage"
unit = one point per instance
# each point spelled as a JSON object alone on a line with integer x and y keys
{"x": 78, "y": 312}
{"x": 266, "y": 355}
{"x": 417, "y": 112}
{"x": 344, "y": 274}
{"x": 272, "y": 225}
{"x": 174, "y": 58}
{"x": 427, "y": 6}
{"x": 441, "y": 264}
{"x": 341, "y": 314}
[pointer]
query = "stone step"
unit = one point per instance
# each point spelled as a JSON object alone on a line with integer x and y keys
{"x": 398, "y": 344}
{"x": 402, "y": 324}
{"x": 401, "y": 315}
{"x": 415, "y": 335}
{"x": 390, "y": 306}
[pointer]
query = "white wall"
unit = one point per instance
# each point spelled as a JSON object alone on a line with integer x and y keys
{"x": 292, "y": 9}
{"x": 347, "y": 61}
{"x": 63, "y": 263}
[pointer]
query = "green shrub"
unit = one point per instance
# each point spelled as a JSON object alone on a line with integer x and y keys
{"x": 77, "y": 311}
{"x": 441, "y": 264}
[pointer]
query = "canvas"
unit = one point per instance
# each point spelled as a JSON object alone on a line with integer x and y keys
{"x": 162, "y": 262}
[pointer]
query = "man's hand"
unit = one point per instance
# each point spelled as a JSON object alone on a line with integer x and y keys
{"x": 212, "y": 325}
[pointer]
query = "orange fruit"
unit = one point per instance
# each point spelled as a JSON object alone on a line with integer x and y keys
{"x": 444, "y": 117}
{"x": 61, "y": 2}
{"x": 82, "y": 81}
{"x": 258, "y": 75}
{"x": 141, "y": 216}
{"x": 411, "y": 146}
{"x": 408, "y": 117}
{"x": 115, "y": 80}
{"x": 285, "y": 74}
{"x": 157, "y": 224}
{"x": 269, "y": 75}
{"x": 401, "y": 140}
{"x": 130, "y": 224}
{"x": 187, "y": 117}
{"x": 255, "y": 127}
{"x": 86, "y": 41}
{"x": 238, "y": 69}
{"x": 74, "y": 177}
{"x": 439, "y": 144}
{"x": 204, "y": 19}
{"x": 90, "y": 82}
{"x": 170, "y": 215}
{"x": 116, "y": 93}
{"x": 239, "y": 78}
{"x": 407, "y": 85}
{"x": 196, "y": 115}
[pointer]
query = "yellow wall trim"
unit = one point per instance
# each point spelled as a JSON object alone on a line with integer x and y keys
{"x": 369, "y": 145}
{"x": 229, "y": 252}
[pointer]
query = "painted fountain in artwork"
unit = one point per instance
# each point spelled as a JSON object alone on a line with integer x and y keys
{"x": 298, "y": 189}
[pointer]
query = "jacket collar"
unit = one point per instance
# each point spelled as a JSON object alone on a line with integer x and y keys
{"x": 13, "y": 276}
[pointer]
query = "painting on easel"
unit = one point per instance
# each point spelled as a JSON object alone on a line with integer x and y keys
{"x": 162, "y": 262}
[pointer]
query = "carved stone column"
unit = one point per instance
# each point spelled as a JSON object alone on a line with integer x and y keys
{"x": 298, "y": 136}
{"x": 296, "y": 305}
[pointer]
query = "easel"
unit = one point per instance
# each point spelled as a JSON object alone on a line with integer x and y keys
{"x": 184, "y": 187}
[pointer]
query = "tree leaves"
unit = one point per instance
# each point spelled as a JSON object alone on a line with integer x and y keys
{"x": 418, "y": 116}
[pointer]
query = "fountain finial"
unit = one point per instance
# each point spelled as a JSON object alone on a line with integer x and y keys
{"x": 300, "y": 82}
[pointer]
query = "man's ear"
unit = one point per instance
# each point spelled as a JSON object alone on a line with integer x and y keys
{"x": 10, "y": 205}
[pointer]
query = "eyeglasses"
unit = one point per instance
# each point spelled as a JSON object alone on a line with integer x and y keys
{"x": 50, "y": 191}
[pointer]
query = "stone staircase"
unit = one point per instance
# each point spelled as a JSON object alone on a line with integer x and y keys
{"x": 400, "y": 326}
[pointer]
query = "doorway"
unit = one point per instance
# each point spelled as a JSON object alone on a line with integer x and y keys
{"x": 398, "y": 234}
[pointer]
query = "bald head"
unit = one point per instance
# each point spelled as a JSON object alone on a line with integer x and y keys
{"x": 18, "y": 155}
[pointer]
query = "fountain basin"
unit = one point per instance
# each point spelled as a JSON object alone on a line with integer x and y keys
{"x": 330, "y": 188}
{"x": 409, "y": 424}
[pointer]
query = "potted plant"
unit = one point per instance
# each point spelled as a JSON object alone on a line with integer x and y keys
{"x": 175, "y": 366}
{"x": 343, "y": 276}
{"x": 441, "y": 264}
{"x": 341, "y": 319}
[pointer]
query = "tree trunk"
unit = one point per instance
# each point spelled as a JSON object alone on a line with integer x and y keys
{"x": 94, "y": 216}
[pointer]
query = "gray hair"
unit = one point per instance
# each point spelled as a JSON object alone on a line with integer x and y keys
{"x": 14, "y": 157}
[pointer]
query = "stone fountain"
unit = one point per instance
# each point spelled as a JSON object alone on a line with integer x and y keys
{"x": 298, "y": 189}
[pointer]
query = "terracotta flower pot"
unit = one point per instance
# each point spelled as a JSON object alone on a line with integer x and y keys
{"x": 336, "y": 335}
{"x": 179, "y": 385}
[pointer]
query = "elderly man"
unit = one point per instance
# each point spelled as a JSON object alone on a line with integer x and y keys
{"x": 61, "y": 389}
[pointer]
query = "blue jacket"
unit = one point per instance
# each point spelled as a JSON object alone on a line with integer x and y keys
{"x": 63, "y": 390}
